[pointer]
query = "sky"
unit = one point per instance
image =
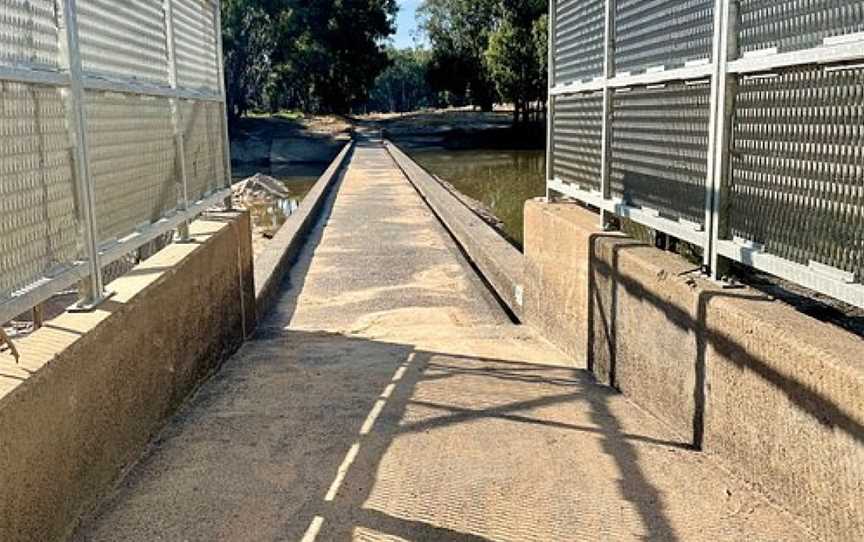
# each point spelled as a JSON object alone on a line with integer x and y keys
{"x": 406, "y": 23}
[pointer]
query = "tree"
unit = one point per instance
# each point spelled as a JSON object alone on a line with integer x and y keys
{"x": 459, "y": 32}
{"x": 403, "y": 85}
{"x": 516, "y": 55}
{"x": 321, "y": 55}
{"x": 248, "y": 48}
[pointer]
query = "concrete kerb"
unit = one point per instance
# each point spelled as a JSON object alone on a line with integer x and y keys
{"x": 499, "y": 262}
{"x": 91, "y": 389}
{"x": 274, "y": 262}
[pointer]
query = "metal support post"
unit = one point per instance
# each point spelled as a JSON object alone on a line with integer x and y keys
{"x": 93, "y": 289}
{"x": 226, "y": 141}
{"x": 550, "y": 99}
{"x": 723, "y": 88}
{"x": 177, "y": 122}
{"x": 606, "y": 218}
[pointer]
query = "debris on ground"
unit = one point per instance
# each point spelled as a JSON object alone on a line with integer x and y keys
{"x": 258, "y": 188}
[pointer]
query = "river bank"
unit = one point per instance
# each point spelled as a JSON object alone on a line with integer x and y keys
{"x": 492, "y": 166}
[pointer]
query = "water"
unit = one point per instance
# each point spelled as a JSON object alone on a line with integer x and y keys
{"x": 503, "y": 180}
{"x": 298, "y": 178}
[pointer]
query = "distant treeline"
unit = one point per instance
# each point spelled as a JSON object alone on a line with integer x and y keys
{"x": 331, "y": 56}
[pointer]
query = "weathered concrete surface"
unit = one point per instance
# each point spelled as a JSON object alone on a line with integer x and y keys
{"x": 556, "y": 279}
{"x": 499, "y": 261}
{"x": 92, "y": 389}
{"x": 387, "y": 398}
{"x": 273, "y": 264}
{"x": 771, "y": 393}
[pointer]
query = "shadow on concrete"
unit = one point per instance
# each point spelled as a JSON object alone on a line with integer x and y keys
{"x": 603, "y": 348}
{"x": 257, "y": 453}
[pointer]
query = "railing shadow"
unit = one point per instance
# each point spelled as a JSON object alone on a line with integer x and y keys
{"x": 809, "y": 401}
{"x": 291, "y": 405}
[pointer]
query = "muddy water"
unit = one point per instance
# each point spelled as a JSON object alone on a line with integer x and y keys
{"x": 500, "y": 179}
{"x": 299, "y": 179}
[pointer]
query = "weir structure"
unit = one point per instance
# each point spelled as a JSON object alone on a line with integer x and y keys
{"x": 388, "y": 368}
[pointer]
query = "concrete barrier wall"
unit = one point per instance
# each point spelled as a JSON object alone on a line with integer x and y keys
{"x": 92, "y": 389}
{"x": 776, "y": 396}
{"x": 273, "y": 264}
{"x": 499, "y": 262}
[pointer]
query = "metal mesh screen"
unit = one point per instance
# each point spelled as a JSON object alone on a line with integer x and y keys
{"x": 660, "y": 148}
{"x": 205, "y": 169}
{"x": 666, "y": 33}
{"x": 132, "y": 161}
{"x": 579, "y": 40}
{"x": 38, "y": 231}
{"x": 577, "y": 147}
{"x": 792, "y": 25}
{"x": 28, "y": 33}
{"x": 194, "y": 25}
{"x": 797, "y": 183}
{"x": 124, "y": 39}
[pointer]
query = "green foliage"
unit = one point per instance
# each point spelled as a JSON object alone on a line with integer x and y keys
{"x": 459, "y": 32}
{"x": 484, "y": 50}
{"x": 321, "y": 55}
{"x": 248, "y": 54}
{"x": 403, "y": 85}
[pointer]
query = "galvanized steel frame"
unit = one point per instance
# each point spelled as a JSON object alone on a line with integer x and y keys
{"x": 723, "y": 70}
{"x": 71, "y": 78}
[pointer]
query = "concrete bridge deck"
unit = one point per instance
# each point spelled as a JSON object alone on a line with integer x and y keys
{"x": 389, "y": 398}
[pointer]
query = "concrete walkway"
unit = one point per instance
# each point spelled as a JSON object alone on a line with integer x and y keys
{"x": 388, "y": 398}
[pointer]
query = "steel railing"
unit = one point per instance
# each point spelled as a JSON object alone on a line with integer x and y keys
{"x": 113, "y": 132}
{"x": 735, "y": 125}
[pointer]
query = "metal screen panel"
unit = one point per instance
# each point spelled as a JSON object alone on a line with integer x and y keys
{"x": 124, "y": 39}
{"x": 194, "y": 24}
{"x": 792, "y": 25}
{"x": 797, "y": 182}
{"x": 668, "y": 33}
{"x": 202, "y": 129}
{"x": 660, "y": 148}
{"x": 132, "y": 157}
{"x": 577, "y": 147}
{"x": 38, "y": 228}
{"x": 579, "y": 40}
{"x": 28, "y": 33}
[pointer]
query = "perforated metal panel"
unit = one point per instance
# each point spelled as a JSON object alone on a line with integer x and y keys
{"x": 667, "y": 33}
{"x": 203, "y": 145}
{"x": 28, "y": 33}
{"x": 577, "y": 147}
{"x": 132, "y": 161}
{"x": 792, "y": 25}
{"x": 125, "y": 39}
{"x": 660, "y": 148}
{"x": 38, "y": 232}
{"x": 579, "y": 40}
{"x": 194, "y": 26}
{"x": 797, "y": 183}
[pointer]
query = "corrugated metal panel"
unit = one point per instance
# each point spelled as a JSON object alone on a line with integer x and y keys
{"x": 579, "y": 40}
{"x": 666, "y": 33}
{"x": 660, "y": 148}
{"x": 797, "y": 182}
{"x": 792, "y": 25}
{"x": 194, "y": 27}
{"x": 28, "y": 33}
{"x": 577, "y": 144}
{"x": 132, "y": 161}
{"x": 205, "y": 169}
{"x": 123, "y": 39}
{"x": 38, "y": 232}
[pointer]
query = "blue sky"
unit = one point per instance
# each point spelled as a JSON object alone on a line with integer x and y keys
{"x": 406, "y": 23}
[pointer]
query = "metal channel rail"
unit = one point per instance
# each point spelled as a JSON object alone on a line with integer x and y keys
{"x": 735, "y": 125}
{"x": 113, "y": 133}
